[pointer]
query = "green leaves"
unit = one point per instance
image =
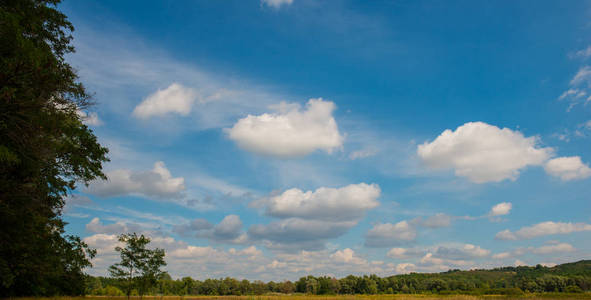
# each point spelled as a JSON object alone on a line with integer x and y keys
{"x": 139, "y": 267}
{"x": 45, "y": 150}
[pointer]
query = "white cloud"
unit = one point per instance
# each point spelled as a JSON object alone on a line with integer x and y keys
{"x": 193, "y": 252}
{"x": 76, "y": 200}
{"x": 505, "y": 235}
{"x": 249, "y": 262}
{"x": 229, "y": 230}
{"x": 347, "y": 256}
{"x": 405, "y": 252}
{"x": 96, "y": 226}
{"x": 461, "y": 252}
{"x": 295, "y": 234}
{"x": 174, "y": 99}
{"x": 397, "y": 253}
{"x": 250, "y": 251}
{"x": 483, "y": 152}
{"x": 217, "y": 185}
{"x": 450, "y": 251}
{"x": 465, "y": 251}
{"x": 363, "y": 153}
{"x": 157, "y": 182}
{"x": 276, "y": 3}
{"x": 405, "y": 268}
{"x": 542, "y": 229}
{"x": 568, "y": 168}
{"x": 91, "y": 119}
{"x": 542, "y": 250}
{"x": 500, "y": 209}
{"x": 309, "y": 219}
{"x": 182, "y": 259}
{"x": 433, "y": 262}
{"x": 438, "y": 220}
{"x": 388, "y": 234}
{"x": 192, "y": 226}
{"x": 584, "y": 52}
{"x": 578, "y": 87}
{"x": 583, "y": 75}
{"x": 519, "y": 263}
{"x": 290, "y": 132}
{"x": 502, "y": 255}
{"x": 345, "y": 203}
{"x": 103, "y": 243}
{"x": 403, "y": 232}
{"x": 557, "y": 248}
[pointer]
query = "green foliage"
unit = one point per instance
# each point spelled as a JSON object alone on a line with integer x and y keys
{"x": 139, "y": 268}
{"x": 509, "y": 281}
{"x": 45, "y": 149}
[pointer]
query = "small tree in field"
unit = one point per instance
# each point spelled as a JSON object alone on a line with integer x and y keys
{"x": 139, "y": 266}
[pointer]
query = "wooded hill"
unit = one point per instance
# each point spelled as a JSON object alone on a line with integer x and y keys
{"x": 571, "y": 278}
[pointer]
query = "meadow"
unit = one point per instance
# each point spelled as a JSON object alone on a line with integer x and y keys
{"x": 532, "y": 296}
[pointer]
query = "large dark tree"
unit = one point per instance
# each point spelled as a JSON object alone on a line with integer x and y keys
{"x": 45, "y": 149}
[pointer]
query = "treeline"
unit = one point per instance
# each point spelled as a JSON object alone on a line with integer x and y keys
{"x": 570, "y": 278}
{"x": 46, "y": 150}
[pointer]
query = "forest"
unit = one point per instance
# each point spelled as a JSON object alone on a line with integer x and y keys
{"x": 570, "y": 278}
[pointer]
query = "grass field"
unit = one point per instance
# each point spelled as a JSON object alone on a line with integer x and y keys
{"x": 339, "y": 297}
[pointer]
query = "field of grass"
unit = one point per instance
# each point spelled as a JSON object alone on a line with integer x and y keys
{"x": 547, "y": 296}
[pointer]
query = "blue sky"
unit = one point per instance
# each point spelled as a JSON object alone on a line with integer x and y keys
{"x": 273, "y": 139}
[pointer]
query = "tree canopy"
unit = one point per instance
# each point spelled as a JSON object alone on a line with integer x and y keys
{"x": 139, "y": 267}
{"x": 45, "y": 150}
{"x": 565, "y": 278}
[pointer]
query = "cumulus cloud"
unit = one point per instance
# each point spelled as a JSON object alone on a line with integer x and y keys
{"x": 557, "y": 248}
{"x": 294, "y": 234}
{"x": 405, "y": 252}
{"x": 276, "y": 3}
{"x": 309, "y": 218}
{"x": 404, "y": 232}
{"x": 405, "y": 268}
{"x": 290, "y": 132}
{"x": 345, "y": 203}
{"x": 388, "y": 234}
{"x": 441, "y": 257}
{"x": 451, "y": 251}
{"x": 192, "y": 227}
{"x": 183, "y": 259}
{"x": 229, "y": 230}
{"x": 568, "y": 168}
{"x": 466, "y": 251}
{"x": 553, "y": 248}
{"x": 483, "y": 152}
{"x": 502, "y": 255}
{"x": 96, "y": 226}
{"x": 249, "y": 262}
{"x": 500, "y": 209}
{"x": 542, "y": 229}
{"x": 173, "y": 99}
{"x": 157, "y": 183}
{"x": 347, "y": 256}
{"x": 438, "y": 220}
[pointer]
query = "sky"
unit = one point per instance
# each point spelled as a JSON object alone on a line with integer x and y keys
{"x": 272, "y": 139}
